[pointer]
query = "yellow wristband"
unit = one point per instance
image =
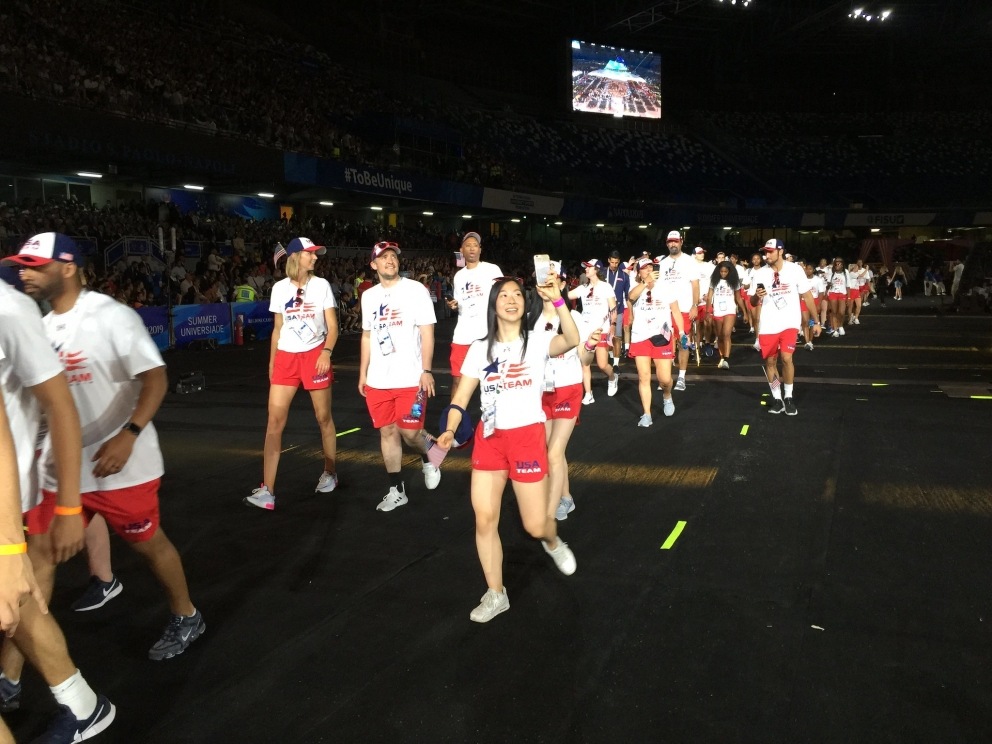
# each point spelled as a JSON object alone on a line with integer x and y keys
{"x": 68, "y": 511}
{"x": 14, "y": 548}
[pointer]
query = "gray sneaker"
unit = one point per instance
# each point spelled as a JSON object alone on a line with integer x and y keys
{"x": 668, "y": 406}
{"x": 179, "y": 633}
{"x": 493, "y": 603}
{"x": 10, "y": 696}
{"x": 680, "y": 383}
{"x": 565, "y": 507}
{"x": 645, "y": 420}
{"x": 327, "y": 482}
{"x": 97, "y": 594}
{"x": 563, "y": 557}
{"x": 262, "y": 498}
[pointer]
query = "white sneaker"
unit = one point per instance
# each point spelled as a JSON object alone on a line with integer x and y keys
{"x": 724, "y": 364}
{"x": 757, "y": 346}
{"x": 391, "y": 500}
{"x": 855, "y": 321}
{"x": 262, "y": 498}
{"x": 809, "y": 346}
{"x": 493, "y": 603}
{"x": 835, "y": 334}
{"x": 327, "y": 483}
{"x": 668, "y": 406}
{"x": 565, "y": 507}
{"x": 645, "y": 420}
{"x": 680, "y": 383}
{"x": 562, "y": 556}
{"x": 841, "y": 331}
{"x": 611, "y": 385}
{"x": 432, "y": 476}
{"x": 588, "y": 399}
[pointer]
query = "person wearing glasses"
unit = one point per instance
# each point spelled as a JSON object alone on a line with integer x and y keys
{"x": 679, "y": 271}
{"x": 599, "y": 310}
{"x": 469, "y": 294}
{"x": 509, "y": 367}
{"x": 303, "y": 338}
{"x": 778, "y": 288}
{"x": 395, "y": 375}
{"x": 656, "y": 318}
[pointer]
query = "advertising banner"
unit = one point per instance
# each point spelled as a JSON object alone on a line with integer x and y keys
{"x": 201, "y": 323}
{"x": 156, "y": 320}
{"x": 255, "y": 316}
{"x": 515, "y": 201}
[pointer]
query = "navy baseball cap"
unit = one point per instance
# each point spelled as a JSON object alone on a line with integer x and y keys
{"x": 774, "y": 245}
{"x": 297, "y": 245}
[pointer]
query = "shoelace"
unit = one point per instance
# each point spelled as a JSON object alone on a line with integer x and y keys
{"x": 173, "y": 630}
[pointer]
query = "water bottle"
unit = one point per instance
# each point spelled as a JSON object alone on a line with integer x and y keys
{"x": 417, "y": 409}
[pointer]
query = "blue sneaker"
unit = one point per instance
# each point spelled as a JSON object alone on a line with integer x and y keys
{"x": 66, "y": 728}
{"x": 97, "y": 594}
{"x": 10, "y": 696}
{"x": 178, "y": 634}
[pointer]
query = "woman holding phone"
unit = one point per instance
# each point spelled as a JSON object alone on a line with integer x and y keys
{"x": 509, "y": 364}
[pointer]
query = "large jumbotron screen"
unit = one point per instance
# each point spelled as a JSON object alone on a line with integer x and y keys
{"x": 617, "y": 82}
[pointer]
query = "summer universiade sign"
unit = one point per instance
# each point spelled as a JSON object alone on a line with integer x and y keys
{"x": 517, "y": 201}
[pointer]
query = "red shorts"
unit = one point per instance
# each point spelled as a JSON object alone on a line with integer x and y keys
{"x": 131, "y": 512}
{"x": 853, "y": 294}
{"x": 836, "y": 296}
{"x": 291, "y": 368}
{"x": 864, "y": 289}
{"x": 392, "y": 406}
{"x": 718, "y": 318}
{"x": 522, "y": 451}
{"x": 563, "y": 403}
{"x": 647, "y": 349}
{"x": 686, "y": 322}
{"x": 701, "y": 312}
{"x": 626, "y": 317}
{"x": 773, "y": 343}
{"x": 457, "y": 357}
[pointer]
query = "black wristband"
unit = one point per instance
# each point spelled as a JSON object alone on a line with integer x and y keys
{"x": 131, "y": 427}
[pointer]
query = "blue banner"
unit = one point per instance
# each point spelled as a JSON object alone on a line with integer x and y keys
{"x": 201, "y": 323}
{"x": 256, "y": 316}
{"x": 156, "y": 320}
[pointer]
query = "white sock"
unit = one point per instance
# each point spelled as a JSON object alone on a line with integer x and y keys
{"x": 681, "y": 374}
{"x": 76, "y": 694}
{"x": 788, "y": 389}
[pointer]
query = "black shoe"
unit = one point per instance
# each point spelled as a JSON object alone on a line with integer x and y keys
{"x": 790, "y": 407}
{"x": 776, "y": 406}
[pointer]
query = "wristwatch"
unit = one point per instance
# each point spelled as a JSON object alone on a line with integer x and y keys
{"x": 131, "y": 427}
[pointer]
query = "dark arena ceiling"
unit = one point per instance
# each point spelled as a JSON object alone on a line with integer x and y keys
{"x": 927, "y": 53}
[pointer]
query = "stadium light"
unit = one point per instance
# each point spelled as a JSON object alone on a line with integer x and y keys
{"x": 88, "y": 174}
{"x": 376, "y": 209}
{"x": 867, "y": 14}
{"x": 326, "y": 204}
{"x": 600, "y": 224}
{"x": 742, "y": 3}
{"x": 428, "y": 214}
{"x": 266, "y": 194}
{"x": 514, "y": 219}
{"x": 642, "y": 227}
{"x": 466, "y": 216}
{"x": 193, "y": 187}
{"x": 559, "y": 224}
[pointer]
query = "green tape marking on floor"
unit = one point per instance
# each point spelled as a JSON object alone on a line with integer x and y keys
{"x": 674, "y": 536}
{"x": 350, "y": 431}
{"x": 744, "y": 431}
{"x": 981, "y": 397}
{"x": 880, "y": 384}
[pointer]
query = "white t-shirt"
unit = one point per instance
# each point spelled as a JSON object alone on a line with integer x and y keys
{"x": 565, "y": 369}
{"x": 723, "y": 299}
{"x": 392, "y": 317}
{"x": 103, "y": 345}
{"x": 839, "y": 282}
{"x": 512, "y": 386}
{"x": 471, "y": 292}
{"x": 596, "y": 305}
{"x": 26, "y": 360}
{"x": 679, "y": 273}
{"x": 303, "y": 325}
{"x": 654, "y": 316}
{"x": 706, "y": 270}
{"x": 817, "y": 285}
{"x": 781, "y": 307}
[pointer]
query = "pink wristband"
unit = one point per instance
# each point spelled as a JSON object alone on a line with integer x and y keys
{"x": 559, "y": 302}
{"x": 588, "y": 347}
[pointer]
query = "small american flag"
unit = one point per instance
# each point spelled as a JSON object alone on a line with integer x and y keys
{"x": 278, "y": 253}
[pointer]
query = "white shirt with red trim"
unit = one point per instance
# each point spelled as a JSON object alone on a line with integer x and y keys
{"x": 839, "y": 282}
{"x": 565, "y": 369}
{"x": 817, "y": 285}
{"x": 679, "y": 273}
{"x": 103, "y": 346}
{"x": 303, "y": 323}
{"x": 392, "y": 317}
{"x": 471, "y": 291}
{"x": 512, "y": 385}
{"x": 649, "y": 317}
{"x": 26, "y": 360}
{"x": 781, "y": 307}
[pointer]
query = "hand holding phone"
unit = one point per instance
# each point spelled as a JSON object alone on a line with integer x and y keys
{"x": 542, "y": 268}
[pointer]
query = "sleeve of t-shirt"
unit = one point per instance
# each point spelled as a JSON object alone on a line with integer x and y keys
{"x": 803, "y": 284}
{"x": 30, "y": 355}
{"x": 424, "y": 312}
{"x": 132, "y": 344}
{"x": 367, "y": 311}
{"x": 475, "y": 360}
{"x": 329, "y": 300}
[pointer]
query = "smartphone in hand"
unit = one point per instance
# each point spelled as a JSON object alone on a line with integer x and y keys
{"x": 542, "y": 268}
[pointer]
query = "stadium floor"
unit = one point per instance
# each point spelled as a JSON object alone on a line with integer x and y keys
{"x": 830, "y": 583}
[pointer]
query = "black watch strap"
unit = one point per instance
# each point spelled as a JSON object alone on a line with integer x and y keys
{"x": 132, "y": 427}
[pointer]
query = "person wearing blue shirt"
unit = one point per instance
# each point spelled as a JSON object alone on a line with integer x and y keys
{"x": 619, "y": 280}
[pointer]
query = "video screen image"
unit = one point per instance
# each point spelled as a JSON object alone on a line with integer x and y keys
{"x": 617, "y": 82}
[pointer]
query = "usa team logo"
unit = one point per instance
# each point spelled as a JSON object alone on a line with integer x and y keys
{"x": 528, "y": 467}
{"x": 74, "y": 364}
{"x": 564, "y": 406}
{"x": 387, "y": 316}
{"x": 516, "y": 375}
